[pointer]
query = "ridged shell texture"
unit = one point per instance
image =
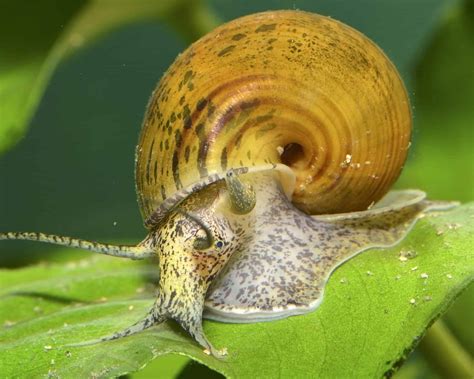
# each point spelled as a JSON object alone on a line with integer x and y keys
{"x": 281, "y": 86}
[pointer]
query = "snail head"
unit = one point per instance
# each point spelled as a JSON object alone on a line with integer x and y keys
{"x": 194, "y": 242}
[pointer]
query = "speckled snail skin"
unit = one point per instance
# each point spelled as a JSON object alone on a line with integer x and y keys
{"x": 263, "y": 151}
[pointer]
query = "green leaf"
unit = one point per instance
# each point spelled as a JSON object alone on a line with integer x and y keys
{"x": 36, "y": 36}
{"x": 375, "y": 310}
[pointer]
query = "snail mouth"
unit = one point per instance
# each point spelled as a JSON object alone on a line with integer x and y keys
{"x": 293, "y": 156}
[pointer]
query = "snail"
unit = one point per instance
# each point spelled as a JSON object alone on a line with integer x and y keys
{"x": 264, "y": 162}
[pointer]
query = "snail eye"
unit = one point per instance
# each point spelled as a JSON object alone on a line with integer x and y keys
{"x": 219, "y": 244}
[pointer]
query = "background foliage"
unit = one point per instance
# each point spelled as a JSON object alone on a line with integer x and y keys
{"x": 90, "y": 112}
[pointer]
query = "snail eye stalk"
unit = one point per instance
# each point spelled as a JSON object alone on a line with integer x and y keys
{"x": 201, "y": 242}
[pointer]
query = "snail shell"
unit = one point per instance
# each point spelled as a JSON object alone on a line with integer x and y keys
{"x": 278, "y": 87}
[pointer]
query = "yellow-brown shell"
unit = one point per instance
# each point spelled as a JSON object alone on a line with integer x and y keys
{"x": 280, "y": 86}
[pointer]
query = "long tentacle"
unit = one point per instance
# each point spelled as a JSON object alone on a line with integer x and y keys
{"x": 140, "y": 251}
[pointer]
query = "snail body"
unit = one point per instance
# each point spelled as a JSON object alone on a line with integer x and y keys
{"x": 263, "y": 151}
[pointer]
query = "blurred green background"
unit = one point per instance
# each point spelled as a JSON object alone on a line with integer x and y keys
{"x": 72, "y": 172}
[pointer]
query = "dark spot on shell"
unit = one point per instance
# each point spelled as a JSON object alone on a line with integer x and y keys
{"x": 238, "y": 37}
{"x": 210, "y": 109}
{"x": 187, "y": 117}
{"x": 177, "y": 136}
{"x": 177, "y": 181}
{"x": 224, "y": 159}
{"x": 188, "y": 123}
{"x": 155, "y": 170}
{"x": 226, "y": 50}
{"x": 263, "y": 118}
{"x": 265, "y": 28}
{"x": 181, "y": 101}
{"x": 237, "y": 143}
{"x": 249, "y": 104}
{"x": 201, "y": 104}
{"x": 188, "y": 75}
{"x": 200, "y": 129}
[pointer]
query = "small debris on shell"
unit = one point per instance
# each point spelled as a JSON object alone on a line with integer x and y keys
{"x": 280, "y": 150}
{"x": 424, "y": 275}
{"x": 346, "y": 161}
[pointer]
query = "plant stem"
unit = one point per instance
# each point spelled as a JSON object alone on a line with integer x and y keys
{"x": 445, "y": 354}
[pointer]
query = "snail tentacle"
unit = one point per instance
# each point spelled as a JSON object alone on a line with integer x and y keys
{"x": 171, "y": 202}
{"x": 134, "y": 252}
{"x": 200, "y": 243}
{"x": 242, "y": 196}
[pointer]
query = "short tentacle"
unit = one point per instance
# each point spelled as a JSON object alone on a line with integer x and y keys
{"x": 173, "y": 201}
{"x": 200, "y": 243}
{"x": 242, "y": 196}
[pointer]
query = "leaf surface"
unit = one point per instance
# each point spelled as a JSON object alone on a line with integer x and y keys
{"x": 375, "y": 310}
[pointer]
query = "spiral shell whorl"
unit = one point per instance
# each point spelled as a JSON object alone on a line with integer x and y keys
{"x": 284, "y": 86}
